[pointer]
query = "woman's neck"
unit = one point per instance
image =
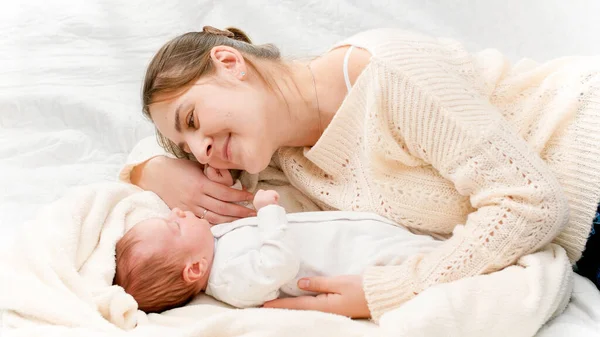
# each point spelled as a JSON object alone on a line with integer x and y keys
{"x": 299, "y": 123}
{"x": 302, "y": 94}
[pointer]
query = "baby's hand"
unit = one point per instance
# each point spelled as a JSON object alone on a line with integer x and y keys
{"x": 219, "y": 176}
{"x": 264, "y": 198}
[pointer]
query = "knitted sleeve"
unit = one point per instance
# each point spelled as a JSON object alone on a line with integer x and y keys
{"x": 143, "y": 151}
{"x": 441, "y": 120}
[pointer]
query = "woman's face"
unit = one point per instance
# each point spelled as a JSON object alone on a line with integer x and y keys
{"x": 222, "y": 119}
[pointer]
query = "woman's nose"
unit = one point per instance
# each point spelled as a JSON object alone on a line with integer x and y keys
{"x": 202, "y": 149}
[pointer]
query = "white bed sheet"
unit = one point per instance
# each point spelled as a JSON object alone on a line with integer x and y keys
{"x": 70, "y": 74}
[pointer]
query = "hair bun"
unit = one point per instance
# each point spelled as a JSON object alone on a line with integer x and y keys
{"x": 231, "y": 32}
{"x": 239, "y": 35}
{"x": 217, "y": 31}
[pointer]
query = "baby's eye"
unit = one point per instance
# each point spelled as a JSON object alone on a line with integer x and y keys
{"x": 176, "y": 224}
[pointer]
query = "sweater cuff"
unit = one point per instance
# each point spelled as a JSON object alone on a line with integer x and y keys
{"x": 386, "y": 288}
{"x": 143, "y": 151}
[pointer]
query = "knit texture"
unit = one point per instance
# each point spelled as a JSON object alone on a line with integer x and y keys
{"x": 428, "y": 139}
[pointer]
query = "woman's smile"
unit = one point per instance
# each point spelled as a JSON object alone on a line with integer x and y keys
{"x": 227, "y": 149}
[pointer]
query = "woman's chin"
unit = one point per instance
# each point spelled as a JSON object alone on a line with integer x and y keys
{"x": 253, "y": 170}
{"x": 256, "y": 168}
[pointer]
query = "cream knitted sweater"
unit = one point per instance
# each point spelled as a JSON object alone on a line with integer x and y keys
{"x": 498, "y": 159}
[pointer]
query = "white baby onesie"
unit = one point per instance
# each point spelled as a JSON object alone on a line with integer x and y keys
{"x": 259, "y": 259}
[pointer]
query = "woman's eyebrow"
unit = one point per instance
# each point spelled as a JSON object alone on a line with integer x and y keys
{"x": 177, "y": 121}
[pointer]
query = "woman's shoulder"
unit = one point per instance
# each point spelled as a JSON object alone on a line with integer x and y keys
{"x": 374, "y": 40}
{"x": 401, "y": 50}
{"x": 380, "y": 43}
{"x": 389, "y": 46}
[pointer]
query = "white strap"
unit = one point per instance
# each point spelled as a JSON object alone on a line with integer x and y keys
{"x": 346, "y": 76}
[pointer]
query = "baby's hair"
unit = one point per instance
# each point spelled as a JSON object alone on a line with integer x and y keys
{"x": 154, "y": 280}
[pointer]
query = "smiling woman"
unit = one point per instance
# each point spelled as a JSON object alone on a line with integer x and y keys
{"x": 184, "y": 89}
{"x": 495, "y": 160}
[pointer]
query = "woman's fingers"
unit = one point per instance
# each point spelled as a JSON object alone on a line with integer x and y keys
{"x": 182, "y": 183}
{"x": 327, "y": 287}
{"x": 215, "y": 219}
{"x": 318, "y": 303}
{"x": 224, "y": 208}
{"x": 226, "y": 193}
{"x": 342, "y": 295}
{"x": 222, "y": 177}
{"x": 319, "y": 284}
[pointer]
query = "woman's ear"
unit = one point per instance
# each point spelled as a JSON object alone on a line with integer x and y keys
{"x": 195, "y": 270}
{"x": 229, "y": 60}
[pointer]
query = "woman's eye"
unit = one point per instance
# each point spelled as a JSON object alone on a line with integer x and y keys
{"x": 190, "y": 121}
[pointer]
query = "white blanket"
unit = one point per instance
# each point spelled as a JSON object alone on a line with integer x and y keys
{"x": 58, "y": 280}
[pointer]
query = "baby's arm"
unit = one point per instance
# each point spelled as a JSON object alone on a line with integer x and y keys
{"x": 254, "y": 278}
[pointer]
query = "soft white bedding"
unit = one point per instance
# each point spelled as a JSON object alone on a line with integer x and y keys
{"x": 70, "y": 74}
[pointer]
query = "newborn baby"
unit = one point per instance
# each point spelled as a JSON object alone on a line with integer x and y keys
{"x": 163, "y": 263}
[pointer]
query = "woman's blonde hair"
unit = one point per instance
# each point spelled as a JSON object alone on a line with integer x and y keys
{"x": 183, "y": 60}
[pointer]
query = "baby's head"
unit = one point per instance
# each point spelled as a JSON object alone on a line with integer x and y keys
{"x": 164, "y": 262}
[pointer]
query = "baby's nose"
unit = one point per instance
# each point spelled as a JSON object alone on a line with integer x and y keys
{"x": 177, "y": 212}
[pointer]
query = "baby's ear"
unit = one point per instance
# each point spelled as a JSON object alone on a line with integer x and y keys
{"x": 195, "y": 270}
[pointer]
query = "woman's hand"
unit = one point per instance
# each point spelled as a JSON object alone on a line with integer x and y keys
{"x": 181, "y": 183}
{"x": 222, "y": 177}
{"x": 342, "y": 295}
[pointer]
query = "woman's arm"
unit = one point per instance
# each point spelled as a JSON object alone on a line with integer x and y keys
{"x": 434, "y": 112}
{"x": 182, "y": 183}
{"x": 520, "y": 206}
{"x": 145, "y": 150}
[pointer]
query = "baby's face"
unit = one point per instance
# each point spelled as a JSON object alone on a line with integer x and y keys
{"x": 179, "y": 231}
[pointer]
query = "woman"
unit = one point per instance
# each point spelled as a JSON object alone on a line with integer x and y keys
{"x": 498, "y": 161}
